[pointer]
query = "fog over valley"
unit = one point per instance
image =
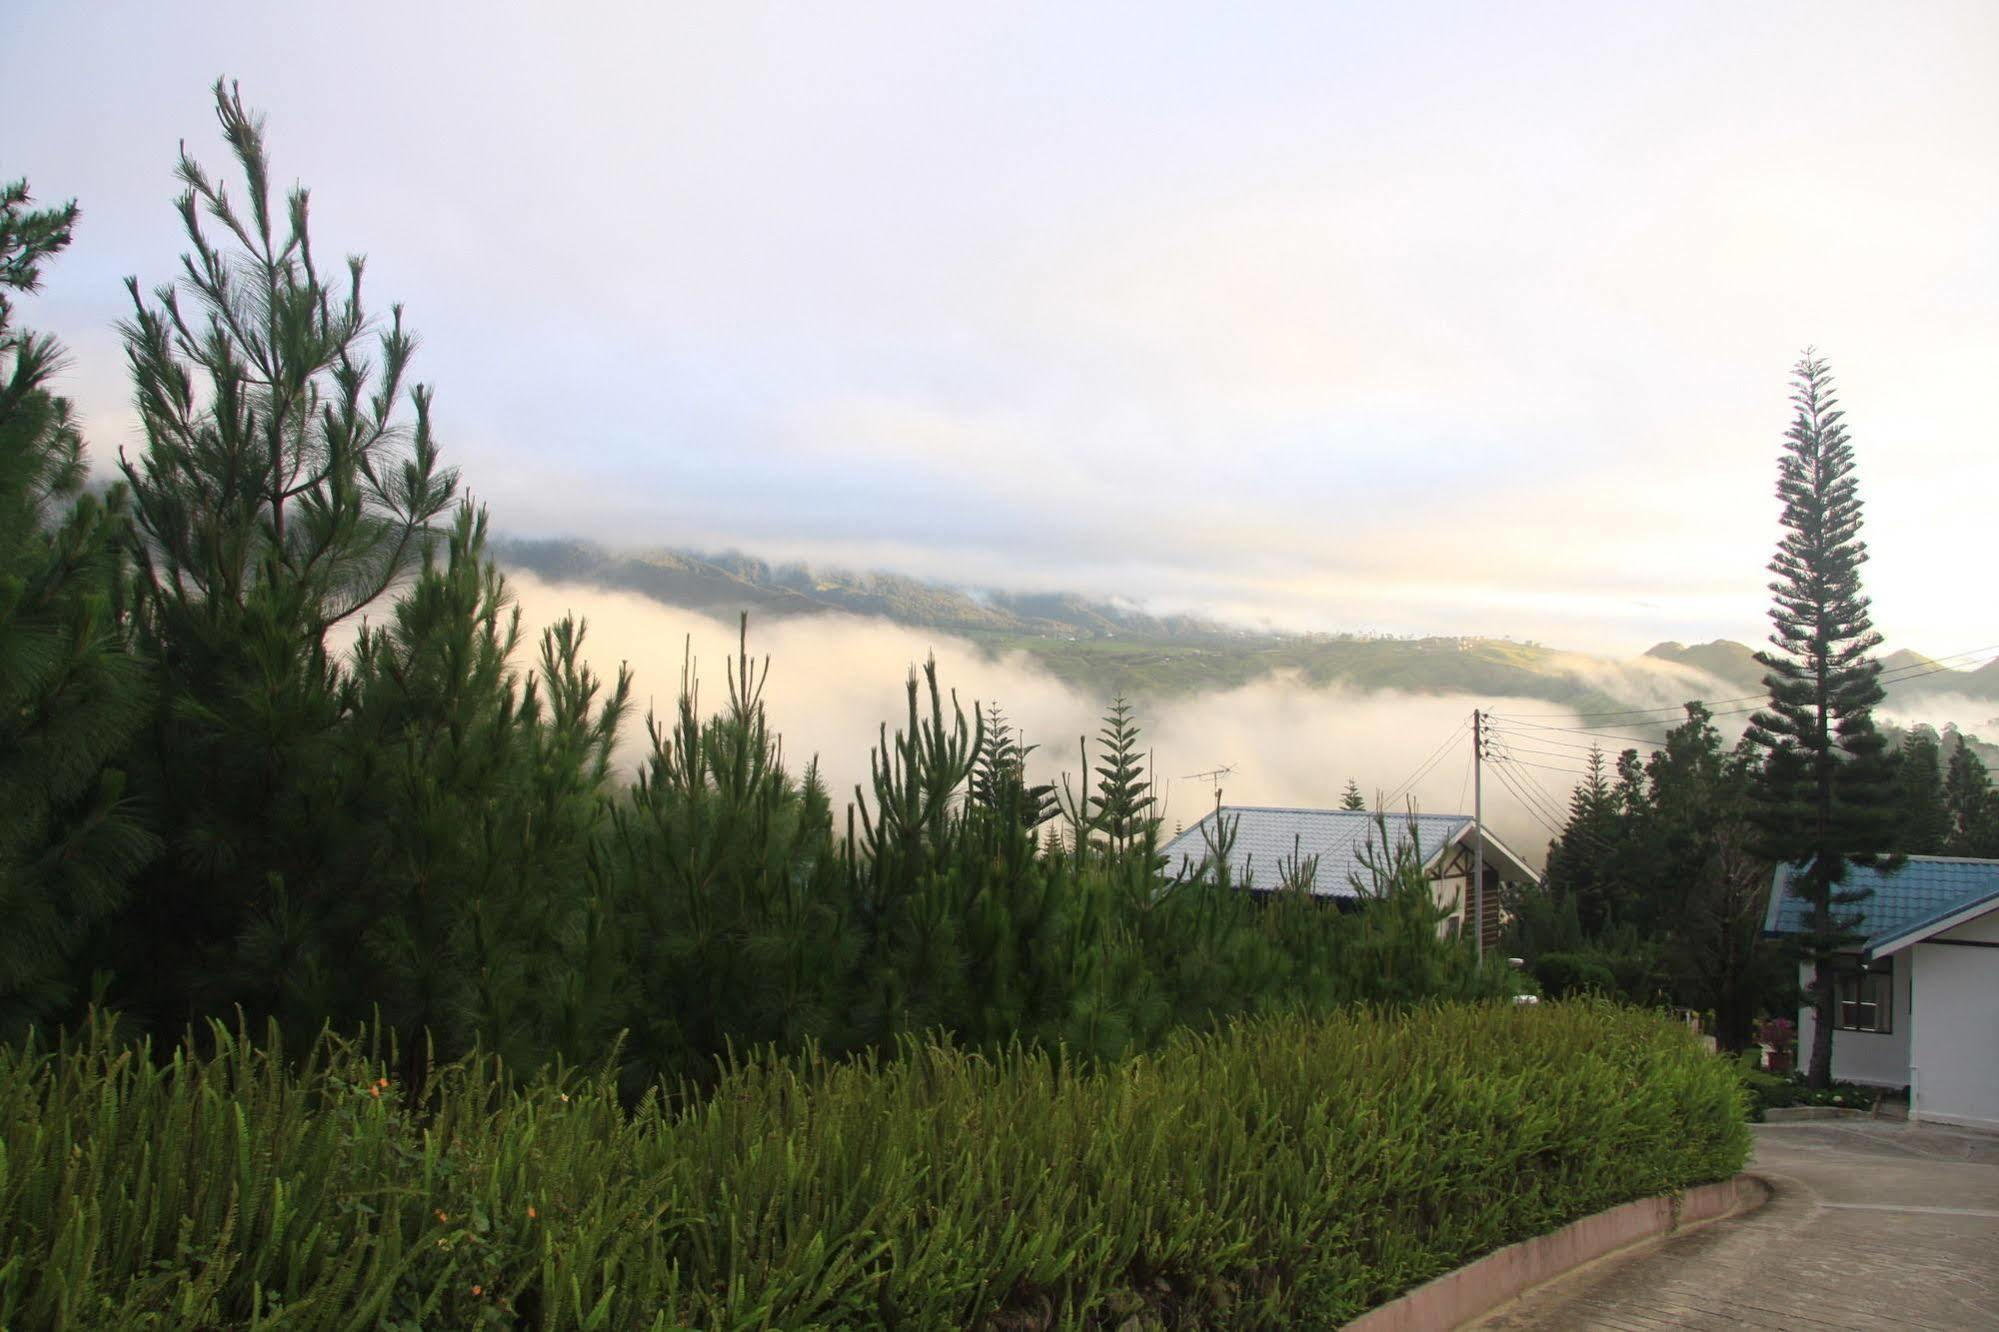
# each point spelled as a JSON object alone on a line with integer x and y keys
{"x": 836, "y": 678}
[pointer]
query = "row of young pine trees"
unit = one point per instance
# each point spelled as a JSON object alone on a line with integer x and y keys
{"x": 270, "y": 741}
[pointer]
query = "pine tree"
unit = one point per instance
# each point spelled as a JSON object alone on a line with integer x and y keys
{"x": 71, "y": 691}
{"x": 281, "y": 492}
{"x": 1352, "y": 801}
{"x": 1826, "y": 796}
{"x": 1584, "y": 861}
{"x": 1705, "y": 890}
{"x": 1923, "y": 821}
{"x": 1124, "y": 802}
{"x": 999, "y": 780}
{"x": 1970, "y": 807}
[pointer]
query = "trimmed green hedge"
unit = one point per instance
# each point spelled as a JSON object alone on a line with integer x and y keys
{"x": 1282, "y": 1171}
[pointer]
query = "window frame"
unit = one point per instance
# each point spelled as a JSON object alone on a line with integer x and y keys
{"x": 1865, "y": 985}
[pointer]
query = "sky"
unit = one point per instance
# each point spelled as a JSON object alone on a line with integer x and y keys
{"x": 1417, "y": 318}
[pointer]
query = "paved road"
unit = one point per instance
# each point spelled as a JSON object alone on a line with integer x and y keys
{"x": 1871, "y": 1225}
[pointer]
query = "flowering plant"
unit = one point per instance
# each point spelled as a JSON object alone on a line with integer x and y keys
{"x": 1779, "y": 1034}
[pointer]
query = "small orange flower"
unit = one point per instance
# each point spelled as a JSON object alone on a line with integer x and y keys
{"x": 531, "y": 1213}
{"x": 375, "y": 1092}
{"x": 442, "y": 1217}
{"x": 478, "y": 1290}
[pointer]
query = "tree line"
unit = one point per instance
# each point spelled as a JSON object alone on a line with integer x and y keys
{"x": 214, "y": 806}
{"x": 1658, "y": 881}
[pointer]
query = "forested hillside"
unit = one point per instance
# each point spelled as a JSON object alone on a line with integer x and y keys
{"x": 1102, "y": 648}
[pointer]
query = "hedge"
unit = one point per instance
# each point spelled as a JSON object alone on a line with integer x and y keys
{"x": 1281, "y": 1171}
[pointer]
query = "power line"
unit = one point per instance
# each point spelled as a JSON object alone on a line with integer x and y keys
{"x": 1546, "y": 801}
{"x": 1576, "y": 747}
{"x": 1507, "y": 756}
{"x": 1424, "y": 769}
{"x": 1557, "y": 824}
{"x": 1566, "y": 753}
{"x": 1534, "y": 812}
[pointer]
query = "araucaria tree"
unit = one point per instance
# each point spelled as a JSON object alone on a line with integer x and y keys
{"x": 1826, "y": 798}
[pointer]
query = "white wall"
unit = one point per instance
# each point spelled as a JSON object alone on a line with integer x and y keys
{"x": 1453, "y": 891}
{"x": 1876, "y": 1059}
{"x": 1956, "y": 1049}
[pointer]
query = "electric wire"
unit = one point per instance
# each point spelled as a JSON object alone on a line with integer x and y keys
{"x": 1422, "y": 771}
{"x": 1533, "y": 811}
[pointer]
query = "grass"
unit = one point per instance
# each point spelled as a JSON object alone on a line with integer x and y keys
{"x": 1279, "y": 1172}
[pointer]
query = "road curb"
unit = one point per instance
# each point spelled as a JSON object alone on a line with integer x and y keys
{"x": 1479, "y": 1287}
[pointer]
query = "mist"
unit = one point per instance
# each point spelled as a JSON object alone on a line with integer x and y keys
{"x": 835, "y": 679}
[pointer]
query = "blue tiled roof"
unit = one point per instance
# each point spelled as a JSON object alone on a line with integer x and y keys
{"x": 1924, "y": 889}
{"x": 1266, "y": 837}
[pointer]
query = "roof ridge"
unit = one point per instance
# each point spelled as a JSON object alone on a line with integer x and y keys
{"x": 1367, "y": 814}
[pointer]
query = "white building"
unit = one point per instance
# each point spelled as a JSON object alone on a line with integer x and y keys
{"x": 1918, "y": 1002}
{"x": 1338, "y": 846}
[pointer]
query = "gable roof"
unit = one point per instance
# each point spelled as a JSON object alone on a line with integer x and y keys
{"x": 1267, "y": 836}
{"x": 1926, "y": 894}
{"x": 1944, "y": 918}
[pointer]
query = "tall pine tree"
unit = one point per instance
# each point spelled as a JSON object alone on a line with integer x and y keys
{"x": 282, "y": 491}
{"x": 1826, "y": 798}
{"x": 71, "y": 691}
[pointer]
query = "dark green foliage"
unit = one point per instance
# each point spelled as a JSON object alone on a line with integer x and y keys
{"x": 1284, "y": 1172}
{"x": 71, "y": 690}
{"x": 1591, "y": 865}
{"x": 1351, "y": 799}
{"x": 1656, "y": 883}
{"x": 1923, "y": 822}
{"x": 279, "y": 494}
{"x": 727, "y": 883}
{"x": 1826, "y": 794}
{"x": 1124, "y": 800}
{"x": 477, "y": 798}
{"x": 1564, "y": 975}
{"x": 999, "y": 780}
{"x": 1970, "y": 807}
{"x": 1774, "y": 1091}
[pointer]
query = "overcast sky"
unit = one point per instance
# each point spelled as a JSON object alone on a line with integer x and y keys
{"x": 1457, "y": 318}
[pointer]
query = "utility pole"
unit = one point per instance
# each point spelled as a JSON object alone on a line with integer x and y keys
{"x": 1478, "y": 829}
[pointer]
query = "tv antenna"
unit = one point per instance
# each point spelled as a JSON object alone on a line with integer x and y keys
{"x": 1216, "y": 775}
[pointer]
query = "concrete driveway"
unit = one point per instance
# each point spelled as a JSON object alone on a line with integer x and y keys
{"x": 1870, "y": 1224}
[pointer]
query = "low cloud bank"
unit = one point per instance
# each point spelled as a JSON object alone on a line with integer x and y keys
{"x": 834, "y": 680}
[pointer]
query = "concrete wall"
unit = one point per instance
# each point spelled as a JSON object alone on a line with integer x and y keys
{"x": 1956, "y": 1050}
{"x": 1876, "y": 1059}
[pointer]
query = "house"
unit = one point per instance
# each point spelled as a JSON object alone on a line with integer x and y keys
{"x": 1917, "y": 1003}
{"x": 1269, "y": 841}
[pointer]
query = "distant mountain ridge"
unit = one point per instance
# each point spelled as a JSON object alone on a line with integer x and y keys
{"x": 1907, "y": 677}
{"x": 1101, "y": 647}
{"x": 730, "y": 582}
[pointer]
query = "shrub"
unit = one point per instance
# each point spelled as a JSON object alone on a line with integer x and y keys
{"x": 1286, "y": 1170}
{"x": 1563, "y": 975}
{"x": 1777, "y": 1091}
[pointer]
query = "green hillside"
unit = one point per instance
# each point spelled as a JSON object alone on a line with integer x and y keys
{"x": 1101, "y": 648}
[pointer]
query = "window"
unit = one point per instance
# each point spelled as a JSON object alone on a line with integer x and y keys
{"x": 1864, "y": 998}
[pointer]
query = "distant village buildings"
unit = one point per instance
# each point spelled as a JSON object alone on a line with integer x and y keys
{"x": 1341, "y": 848}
